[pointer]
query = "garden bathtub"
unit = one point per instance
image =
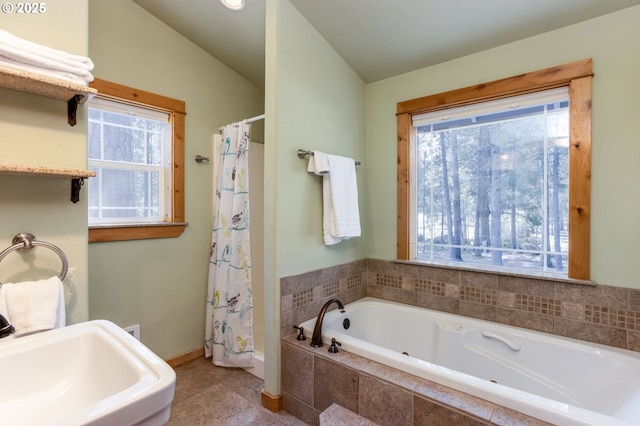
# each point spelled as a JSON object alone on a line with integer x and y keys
{"x": 555, "y": 379}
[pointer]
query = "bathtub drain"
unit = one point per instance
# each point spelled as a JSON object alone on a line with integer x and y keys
{"x": 405, "y": 353}
{"x": 493, "y": 381}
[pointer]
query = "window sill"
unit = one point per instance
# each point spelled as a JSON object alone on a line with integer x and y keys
{"x": 513, "y": 272}
{"x": 135, "y": 231}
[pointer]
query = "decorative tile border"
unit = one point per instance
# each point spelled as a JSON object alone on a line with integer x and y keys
{"x": 430, "y": 287}
{"x": 479, "y": 295}
{"x": 303, "y": 297}
{"x": 540, "y": 305}
{"x": 353, "y": 282}
{"x": 330, "y": 289}
{"x": 620, "y": 318}
{"x": 389, "y": 281}
{"x": 601, "y": 314}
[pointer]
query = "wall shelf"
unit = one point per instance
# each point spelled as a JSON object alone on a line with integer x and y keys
{"x": 23, "y": 81}
{"x": 77, "y": 176}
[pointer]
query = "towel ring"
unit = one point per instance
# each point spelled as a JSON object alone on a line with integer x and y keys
{"x": 25, "y": 241}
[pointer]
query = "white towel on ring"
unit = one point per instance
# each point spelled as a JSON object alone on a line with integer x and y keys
{"x": 33, "y": 306}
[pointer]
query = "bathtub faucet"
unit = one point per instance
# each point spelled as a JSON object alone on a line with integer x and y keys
{"x": 316, "y": 340}
{"x": 6, "y": 329}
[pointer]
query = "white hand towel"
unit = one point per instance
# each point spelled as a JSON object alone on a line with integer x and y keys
{"x": 33, "y": 306}
{"x": 340, "y": 213}
{"x": 318, "y": 163}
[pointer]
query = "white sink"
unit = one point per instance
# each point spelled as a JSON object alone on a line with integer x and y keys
{"x": 92, "y": 373}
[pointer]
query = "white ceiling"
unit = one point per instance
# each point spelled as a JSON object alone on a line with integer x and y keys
{"x": 377, "y": 38}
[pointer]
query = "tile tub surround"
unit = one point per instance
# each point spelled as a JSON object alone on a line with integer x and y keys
{"x": 303, "y": 295}
{"x": 595, "y": 313}
{"x": 314, "y": 379}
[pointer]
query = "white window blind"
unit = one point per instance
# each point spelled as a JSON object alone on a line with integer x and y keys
{"x": 486, "y": 108}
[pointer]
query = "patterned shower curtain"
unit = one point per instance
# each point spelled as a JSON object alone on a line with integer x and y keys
{"x": 229, "y": 334}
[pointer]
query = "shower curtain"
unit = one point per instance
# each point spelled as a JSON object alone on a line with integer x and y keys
{"x": 229, "y": 334}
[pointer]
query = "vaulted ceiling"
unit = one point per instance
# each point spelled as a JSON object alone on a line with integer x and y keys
{"x": 377, "y": 38}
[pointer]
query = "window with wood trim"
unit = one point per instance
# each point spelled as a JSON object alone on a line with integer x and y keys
{"x": 465, "y": 164}
{"x": 136, "y": 147}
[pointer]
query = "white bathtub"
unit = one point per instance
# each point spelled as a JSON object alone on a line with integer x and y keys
{"x": 555, "y": 379}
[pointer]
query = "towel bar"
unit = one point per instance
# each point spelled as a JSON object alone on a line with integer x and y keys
{"x": 303, "y": 153}
{"x": 25, "y": 240}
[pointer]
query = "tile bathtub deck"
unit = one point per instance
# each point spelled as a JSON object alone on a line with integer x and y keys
{"x": 210, "y": 395}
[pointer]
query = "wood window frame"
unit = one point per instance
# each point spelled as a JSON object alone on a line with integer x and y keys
{"x": 577, "y": 77}
{"x": 177, "y": 111}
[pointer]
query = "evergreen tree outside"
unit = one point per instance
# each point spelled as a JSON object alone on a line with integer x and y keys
{"x": 493, "y": 188}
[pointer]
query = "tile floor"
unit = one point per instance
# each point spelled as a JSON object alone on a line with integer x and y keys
{"x": 210, "y": 395}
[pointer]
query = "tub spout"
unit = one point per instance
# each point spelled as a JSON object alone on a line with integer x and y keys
{"x": 316, "y": 340}
{"x": 6, "y": 329}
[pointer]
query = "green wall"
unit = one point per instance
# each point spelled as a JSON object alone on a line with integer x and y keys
{"x": 161, "y": 284}
{"x": 34, "y": 132}
{"x": 314, "y": 101}
{"x": 611, "y": 41}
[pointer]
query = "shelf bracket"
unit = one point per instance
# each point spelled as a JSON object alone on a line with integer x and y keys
{"x": 72, "y": 109}
{"x": 76, "y": 185}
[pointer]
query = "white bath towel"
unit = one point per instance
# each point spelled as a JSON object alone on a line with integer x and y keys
{"x": 345, "y": 222}
{"x": 25, "y": 55}
{"x": 33, "y": 306}
{"x": 340, "y": 212}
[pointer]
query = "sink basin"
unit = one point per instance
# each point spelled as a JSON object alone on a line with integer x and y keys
{"x": 91, "y": 373}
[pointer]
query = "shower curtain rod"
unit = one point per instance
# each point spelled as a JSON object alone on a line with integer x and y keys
{"x": 246, "y": 120}
{"x": 252, "y": 119}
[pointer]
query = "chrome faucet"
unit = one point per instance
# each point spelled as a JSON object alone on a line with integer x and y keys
{"x": 6, "y": 329}
{"x": 316, "y": 340}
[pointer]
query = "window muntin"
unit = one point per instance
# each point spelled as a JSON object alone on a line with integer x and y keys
{"x": 492, "y": 183}
{"x": 128, "y": 149}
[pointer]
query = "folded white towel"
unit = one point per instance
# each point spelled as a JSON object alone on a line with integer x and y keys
{"x": 33, "y": 306}
{"x": 59, "y": 75}
{"x": 30, "y": 48}
{"x": 28, "y": 56}
{"x": 318, "y": 163}
{"x": 340, "y": 212}
{"x": 44, "y": 63}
